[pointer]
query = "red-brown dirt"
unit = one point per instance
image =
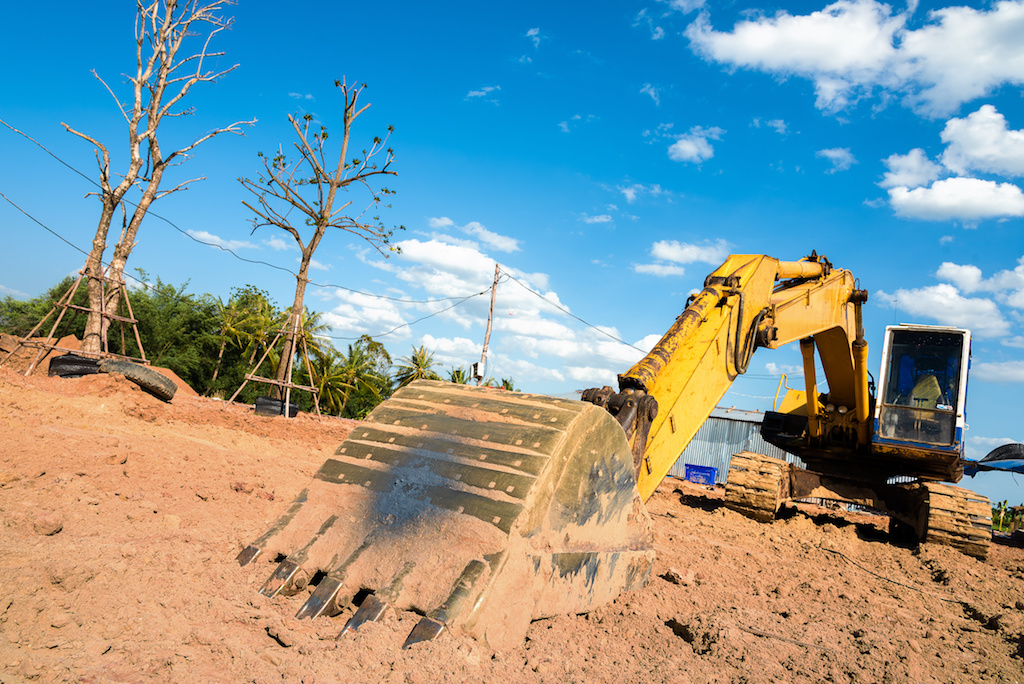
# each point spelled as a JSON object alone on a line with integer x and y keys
{"x": 122, "y": 515}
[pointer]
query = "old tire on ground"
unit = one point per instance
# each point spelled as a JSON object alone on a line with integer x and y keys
{"x": 73, "y": 366}
{"x": 269, "y": 406}
{"x": 148, "y": 379}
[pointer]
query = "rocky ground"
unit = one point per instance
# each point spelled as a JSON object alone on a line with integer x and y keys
{"x": 121, "y": 515}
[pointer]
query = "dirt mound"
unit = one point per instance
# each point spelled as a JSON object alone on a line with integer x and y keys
{"x": 122, "y": 514}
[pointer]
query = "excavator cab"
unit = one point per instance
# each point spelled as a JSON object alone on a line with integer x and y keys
{"x": 924, "y": 385}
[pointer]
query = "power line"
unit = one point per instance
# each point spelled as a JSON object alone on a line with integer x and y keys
{"x": 187, "y": 234}
{"x": 65, "y": 240}
{"x": 418, "y": 320}
{"x": 570, "y": 314}
{"x": 43, "y": 225}
{"x": 458, "y": 300}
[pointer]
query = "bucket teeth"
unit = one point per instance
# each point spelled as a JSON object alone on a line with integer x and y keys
{"x": 374, "y": 605}
{"x": 323, "y": 601}
{"x": 248, "y": 555}
{"x": 371, "y": 610}
{"x": 427, "y": 629}
{"x": 432, "y": 625}
{"x": 281, "y": 580}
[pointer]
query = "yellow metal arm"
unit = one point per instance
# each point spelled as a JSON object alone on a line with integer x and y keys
{"x": 750, "y": 301}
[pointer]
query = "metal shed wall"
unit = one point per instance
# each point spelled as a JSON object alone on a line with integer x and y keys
{"x": 724, "y": 433}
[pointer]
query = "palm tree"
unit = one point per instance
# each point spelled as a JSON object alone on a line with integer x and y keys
{"x": 460, "y": 376}
{"x": 262, "y": 324}
{"x": 341, "y": 378}
{"x": 417, "y": 366}
{"x": 329, "y": 379}
{"x": 312, "y": 336}
{"x": 1000, "y": 508}
{"x": 232, "y": 321}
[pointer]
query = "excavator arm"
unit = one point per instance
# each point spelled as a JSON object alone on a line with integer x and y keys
{"x": 750, "y": 301}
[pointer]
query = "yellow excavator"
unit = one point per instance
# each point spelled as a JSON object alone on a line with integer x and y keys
{"x": 482, "y": 510}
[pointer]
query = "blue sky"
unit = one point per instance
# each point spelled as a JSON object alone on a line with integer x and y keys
{"x": 607, "y": 157}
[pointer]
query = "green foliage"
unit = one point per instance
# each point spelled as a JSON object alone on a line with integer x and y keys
{"x": 178, "y": 330}
{"x": 999, "y": 515}
{"x": 19, "y": 317}
{"x": 211, "y": 344}
{"x": 417, "y": 366}
{"x": 350, "y": 384}
{"x": 460, "y": 376}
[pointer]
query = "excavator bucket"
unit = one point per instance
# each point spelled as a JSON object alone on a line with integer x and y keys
{"x": 477, "y": 508}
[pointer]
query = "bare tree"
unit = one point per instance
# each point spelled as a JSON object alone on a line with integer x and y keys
{"x": 303, "y": 192}
{"x": 172, "y": 41}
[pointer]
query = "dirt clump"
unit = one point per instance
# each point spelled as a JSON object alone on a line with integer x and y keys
{"x": 121, "y": 516}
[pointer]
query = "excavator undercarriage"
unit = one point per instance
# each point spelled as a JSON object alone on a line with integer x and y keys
{"x": 933, "y": 512}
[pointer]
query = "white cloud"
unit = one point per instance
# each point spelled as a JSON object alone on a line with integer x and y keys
{"x": 216, "y": 240}
{"x": 910, "y": 170}
{"x": 685, "y": 6}
{"x": 778, "y": 125}
{"x": 300, "y": 96}
{"x": 670, "y": 254}
{"x": 1007, "y": 286}
{"x": 709, "y": 252}
{"x": 452, "y": 351}
{"x": 841, "y": 158}
{"x": 10, "y": 291}
{"x": 502, "y": 243}
{"x": 440, "y": 222}
{"x": 653, "y": 92}
{"x": 359, "y": 314}
{"x": 965, "y": 199}
{"x": 779, "y": 369}
{"x": 277, "y": 243}
{"x": 483, "y": 92}
{"x": 660, "y": 270}
{"x": 963, "y": 54}
{"x": 694, "y": 146}
{"x": 856, "y": 48}
{"x": 999, "y": 371}
{"x": 943, "y": 303}
{"x": 601, "y": 218}
{"x": 983, "y": 142}
{"x": 634, "y": 191}
{"x": 534, "y": 36}
{"x": 966, "y": 278}
{"x": 643, "y": 18}
{"x": 316, "y": 265}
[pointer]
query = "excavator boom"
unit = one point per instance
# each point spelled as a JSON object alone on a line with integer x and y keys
{"x": 749, "y": 301}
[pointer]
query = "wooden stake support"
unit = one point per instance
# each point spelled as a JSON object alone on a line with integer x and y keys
{"x": 297, "y": 332}
{"x": 64, "y": 303}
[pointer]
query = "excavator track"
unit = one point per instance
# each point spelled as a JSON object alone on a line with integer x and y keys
{"x": 479, "y": 509}
{"x": 959, "y": 518}
{"x": 757, "y": 485}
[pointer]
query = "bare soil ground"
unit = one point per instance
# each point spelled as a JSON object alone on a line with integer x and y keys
{"x": 121, "y": 515}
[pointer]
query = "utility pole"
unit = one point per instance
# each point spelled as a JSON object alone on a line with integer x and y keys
{"x": 487, "y": 335}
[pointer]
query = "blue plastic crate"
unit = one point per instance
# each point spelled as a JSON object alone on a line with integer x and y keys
{"x": 698, "y": 474}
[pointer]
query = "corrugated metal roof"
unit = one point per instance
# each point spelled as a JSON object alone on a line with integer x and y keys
{"x": 726, "y": 432}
